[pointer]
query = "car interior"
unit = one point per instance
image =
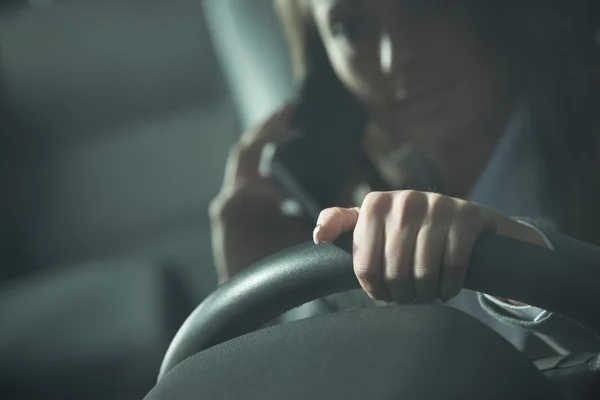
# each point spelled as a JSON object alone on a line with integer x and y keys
{"x": 116, "y": 118}
{"x": 115, "y": 124}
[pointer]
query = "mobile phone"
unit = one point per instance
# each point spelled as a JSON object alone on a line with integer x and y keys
{"x": 313, "y": 168}
{"x": 303, "y": 177}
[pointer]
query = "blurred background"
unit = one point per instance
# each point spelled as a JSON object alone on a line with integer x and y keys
{"x": 115, "y": 121}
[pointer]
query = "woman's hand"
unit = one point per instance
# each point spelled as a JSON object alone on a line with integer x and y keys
{"x": 247, "y": 220}
{"x": 415, "y": 246}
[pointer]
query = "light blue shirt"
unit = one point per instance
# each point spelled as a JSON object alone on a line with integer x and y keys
{"x": 510, "y": 184}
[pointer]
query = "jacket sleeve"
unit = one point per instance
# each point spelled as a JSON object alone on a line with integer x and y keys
{"x": 564, "y": 335}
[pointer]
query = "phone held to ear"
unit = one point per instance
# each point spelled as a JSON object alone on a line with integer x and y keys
{"x": 314, "y": 180}
{"x": 313, "y": 171}
{"x": 297, "y": 172}
{"x": 315, "y": 167}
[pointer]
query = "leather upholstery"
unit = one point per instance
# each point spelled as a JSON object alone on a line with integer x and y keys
{"x": 250, "y": 46}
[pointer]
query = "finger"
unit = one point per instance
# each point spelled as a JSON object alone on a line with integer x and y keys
{"x": 273, "y": 126}
{"x": 429, "y": 251}
{"x": 455, "y": 261}
{"x": 245, "y": 160}
{"x": 462, "y": 235}
{"x": 398, "y": 264}
{"x": 469, "y": 223}
{"x": 401, "y": 233}
{"x": 368, "y": 248}
{"x": 333, "y": 222}
{"x": 245, "y": 155}
{"x": 430, "y": 247}
{"x": 245, "y": 196}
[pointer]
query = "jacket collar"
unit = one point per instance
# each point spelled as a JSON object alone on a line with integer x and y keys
{"x": 511, "y": 181}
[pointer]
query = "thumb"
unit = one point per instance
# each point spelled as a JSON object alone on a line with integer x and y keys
{"x": 333, "y": 222}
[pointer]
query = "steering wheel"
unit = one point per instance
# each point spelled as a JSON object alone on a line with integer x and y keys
{"x": 417, "y": 352}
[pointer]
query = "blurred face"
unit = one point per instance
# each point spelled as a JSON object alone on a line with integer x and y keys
{"x": 416, "y": 65}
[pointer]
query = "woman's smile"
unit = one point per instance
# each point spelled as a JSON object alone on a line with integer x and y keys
{"x": 423, "y": 103}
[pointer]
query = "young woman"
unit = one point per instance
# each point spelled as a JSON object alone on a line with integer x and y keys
{"x": 491, "y": 102}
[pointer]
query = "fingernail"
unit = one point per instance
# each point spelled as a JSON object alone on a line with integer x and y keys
{"x": 315, "y": 231}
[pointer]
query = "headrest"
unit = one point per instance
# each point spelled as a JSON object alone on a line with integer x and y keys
{"x": 252, "y": 51}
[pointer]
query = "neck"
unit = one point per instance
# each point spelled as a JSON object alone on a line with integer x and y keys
{"x": 460, "y": 163}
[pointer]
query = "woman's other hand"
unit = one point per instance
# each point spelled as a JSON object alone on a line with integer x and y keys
{"x": 415, "y": 246}
{"x": 247, "y": 222}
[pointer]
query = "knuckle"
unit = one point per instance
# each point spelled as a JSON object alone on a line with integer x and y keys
{"x": 364, "y": 272}
{"x": 222, "y": 204}
{"x": 375, "y": 203}
{"x": 453, "y": 267}
{"x": 371, "y": 198}
{"x": 331, "y": 213}
{"x": 409, "y": 200}
{"x": 439, "y": 205}
{"x": 394, "y": 274}
{"x": 425, "y": 272}
{"x": 216, "y": 207}
{"x": 236, "y": 151}
{"x": 427, "y": 264}
{"x": 469, "y": 213}
{"x": 407, "y": 196}
{"x": 232, "y": 162}
{"x": 252, "y": 135}
{"x": 280, "y": 117}
{"x": 425, "y": 277}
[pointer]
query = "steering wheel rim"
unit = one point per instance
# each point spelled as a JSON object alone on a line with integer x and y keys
{"x": 307, "y": 272}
